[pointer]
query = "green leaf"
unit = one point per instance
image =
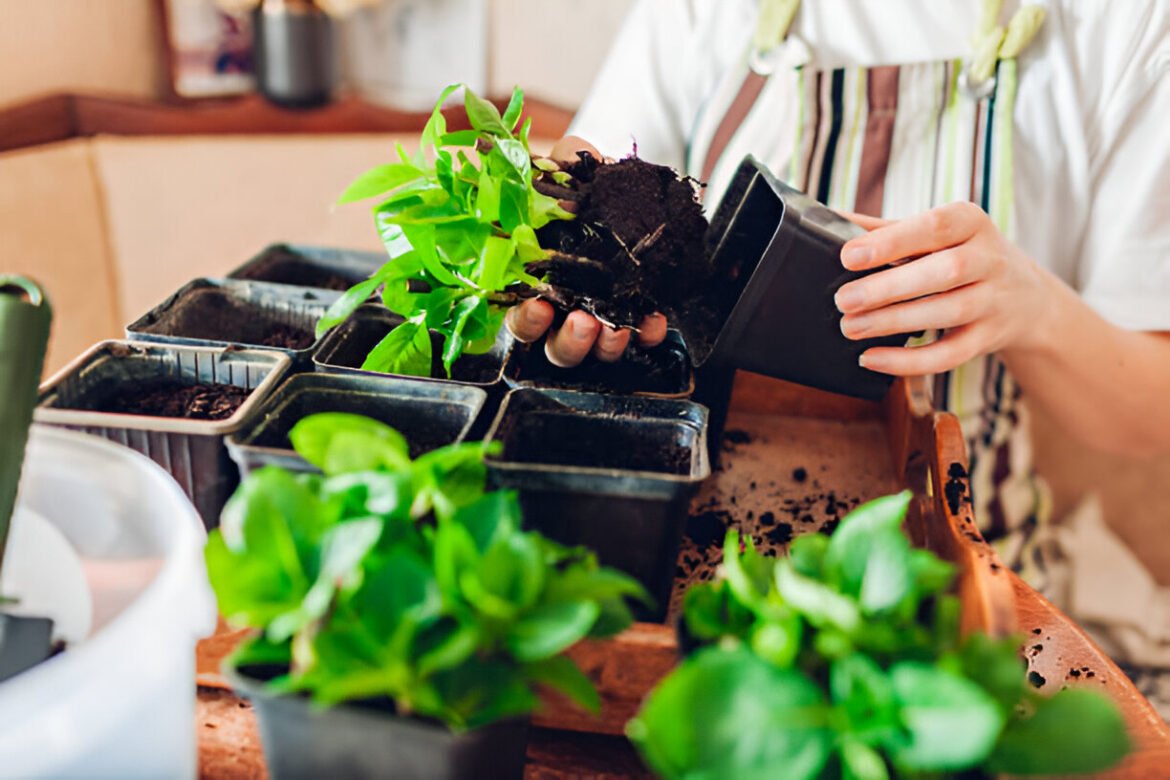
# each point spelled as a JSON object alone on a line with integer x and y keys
{"x": 818, "y": 603}
{"x": 395, "y": 598}
{"x": 776, "y": 639}
{"x": 514, "y": 109}
{"x": 950, "y": 722}
{"x": 404, "y": 350}
{"x": 493, "y": 515}
{"x": 1076, "y": 731}
{"x": 807, "y": 554}
{"x": 487, "y": 198}
{"x": 436, "y": 126}
{"x": 462, "y": 314}
{"x": 516, "y": 156}
{"x": 865, "y": 694}
{"x": 337, "y": 442}
{"x": 513, "y": 569}
{"x": 483, "y": 115}
{"x": 861, "y": 762}
{"x": 848, "y": 553}
{"x": 422, "y": 238}
{"x": 888, "y": 578}
{"x": 711, "y": 611}
{"x": 447, "y": 644}
{"x": 460, "y": 138}
{"x": 748, "y": 574}
{"x": 448, "y": 478}
{"x": 551, "y": 629}
{"x": 994, "y": 665}
{"x": 528, "y": 249}
{"x": 494, "y": 261}
{"x": 380, "y": 179}
{"x": 726, "y": 713}
{"x": 340, "y": 310}
{"x": 563, "y": 674}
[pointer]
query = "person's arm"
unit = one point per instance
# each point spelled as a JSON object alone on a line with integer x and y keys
{"x": 1107, "y": 385}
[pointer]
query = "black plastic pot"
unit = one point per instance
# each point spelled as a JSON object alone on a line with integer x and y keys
{"x": 356, "y": 741}
{"x": 778, "y": 255}
{"x": 225, "y": 312}
{"x": 429, "y": 414}
{"x": 192, "y": 451}
{"x": 612, "y": 473}
{"x": 310, "y": 266}
{"x": 660, "y": 372}
{"x": 345, "y": 348}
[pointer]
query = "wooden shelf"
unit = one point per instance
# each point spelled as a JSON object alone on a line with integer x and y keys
{"x": 61, "y": 117}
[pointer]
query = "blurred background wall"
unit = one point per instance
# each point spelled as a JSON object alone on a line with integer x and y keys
{"x": 113, "y": 46}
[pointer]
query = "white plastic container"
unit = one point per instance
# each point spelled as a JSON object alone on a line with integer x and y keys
{"x": 120, "y": 703}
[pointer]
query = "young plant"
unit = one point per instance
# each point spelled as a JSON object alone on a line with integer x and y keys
{"x": 395, "y": 580}
{"x": 459, "y": 220}
{"x": 845, "y": 660}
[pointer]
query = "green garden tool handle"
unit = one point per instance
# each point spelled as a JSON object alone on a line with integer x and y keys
{"x": 25, "y": 315}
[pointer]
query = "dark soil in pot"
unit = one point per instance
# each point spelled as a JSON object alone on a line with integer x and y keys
{"x": 212, "y": 314}
{"x": 420, "y": 431}
{"x": 636, "y": 246}
{"x": 285, "y": 266}
{"x": 169, "y": 397}
{"x": 595, "y": 441}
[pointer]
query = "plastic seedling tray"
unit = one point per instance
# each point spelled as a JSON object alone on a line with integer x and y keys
{"x": 216, "y": 313}
{"x": 191, "y": 450}
{"x": 428, "y": 414}
{"x": 345, "y": 348}
{"x": 310, "y": 266}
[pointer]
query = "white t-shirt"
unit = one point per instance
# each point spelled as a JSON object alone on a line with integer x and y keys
{"x": 1092, "y": 116}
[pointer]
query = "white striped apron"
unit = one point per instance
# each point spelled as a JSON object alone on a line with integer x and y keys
{"x": 893, "y": 141}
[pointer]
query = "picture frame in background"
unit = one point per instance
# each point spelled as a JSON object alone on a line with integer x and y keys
{"x": 208, "y": 50}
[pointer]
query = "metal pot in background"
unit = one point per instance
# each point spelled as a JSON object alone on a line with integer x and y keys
{"x": 295, "y": 51}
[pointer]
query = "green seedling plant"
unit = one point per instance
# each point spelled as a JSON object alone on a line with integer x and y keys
{"x": 845, "y": 660}
{"x": 458, "y": 219}
{"x": 389, "y": 579}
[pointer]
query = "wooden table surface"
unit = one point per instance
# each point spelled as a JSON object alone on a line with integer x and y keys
{"x": 1057, "y": 651}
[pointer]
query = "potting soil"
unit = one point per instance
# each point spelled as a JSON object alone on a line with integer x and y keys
{"x": 643, "y": 229}
{"x": 173, "y": 398}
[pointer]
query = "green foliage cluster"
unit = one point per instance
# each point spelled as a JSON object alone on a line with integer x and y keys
{"x": 459, "y": 220}
{"x": 845, "y": 660}
{"x": 390, "y": 577}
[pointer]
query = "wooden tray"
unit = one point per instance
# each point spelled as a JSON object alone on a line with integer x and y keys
{"x": 859, "y": 449}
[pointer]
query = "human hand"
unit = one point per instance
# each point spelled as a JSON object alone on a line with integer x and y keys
{"x": 950, "y": 268}
{"x": 581, "y": 333}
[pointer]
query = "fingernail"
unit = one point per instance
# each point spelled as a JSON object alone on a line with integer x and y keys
{"x": 848, "y": 299}
{"x": 856, "y": 256}
{"x": 578, "y": 333}
{"x": 854, "y": 327}
{"x": 533, "y": 317}
{"x": 865, "y": 361}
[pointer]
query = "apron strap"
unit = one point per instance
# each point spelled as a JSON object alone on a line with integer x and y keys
{"x": 772, "y": 46}
{"x": 993, "y": 43}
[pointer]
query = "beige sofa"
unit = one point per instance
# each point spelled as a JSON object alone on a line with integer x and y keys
{"x": 110, "y": 226}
